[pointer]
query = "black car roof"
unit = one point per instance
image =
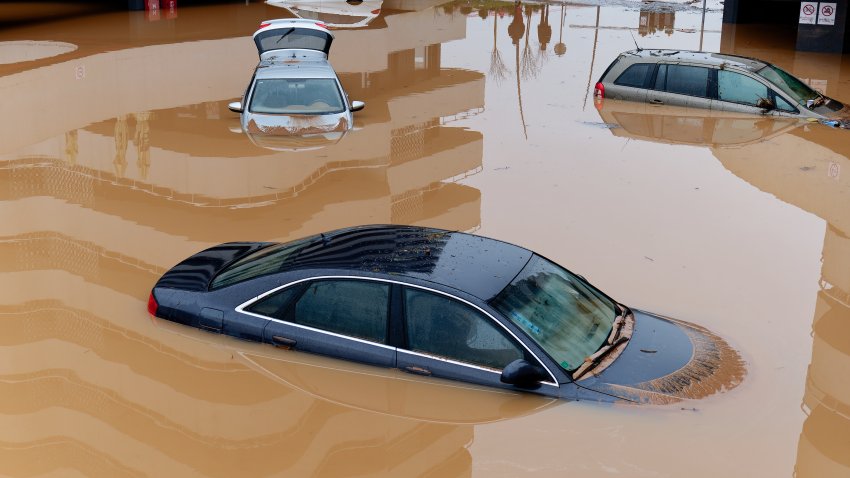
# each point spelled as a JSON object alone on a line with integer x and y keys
{"x": 476, "y": 265}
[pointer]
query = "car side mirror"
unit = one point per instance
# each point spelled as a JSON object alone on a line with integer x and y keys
{"x": 235, "y": 107}
{"x": 523, "y": 374}
{"x": 765, "y": 104}
{"x": 357, "y": 105}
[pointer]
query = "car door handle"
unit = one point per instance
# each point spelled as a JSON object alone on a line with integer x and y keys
{"x": 656, "y": 101}
{"x": 283, "y": 342}
{"x": 418, "y": 370}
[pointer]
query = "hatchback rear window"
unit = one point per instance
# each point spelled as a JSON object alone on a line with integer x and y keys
{"x": 634, "y": 75}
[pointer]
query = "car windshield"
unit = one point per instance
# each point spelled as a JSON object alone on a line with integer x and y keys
{"x": 565, "y": 315}
{"x": 265, "y": 261}
{"x": 296, "y": 96}
{"x": 789, "y": 84}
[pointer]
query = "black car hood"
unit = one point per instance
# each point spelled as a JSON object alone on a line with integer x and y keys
{"x": 196, "y": 272}
{"x": 667, "y": 360}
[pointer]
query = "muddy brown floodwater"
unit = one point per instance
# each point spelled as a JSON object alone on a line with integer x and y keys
{"x": 118, "y": 158}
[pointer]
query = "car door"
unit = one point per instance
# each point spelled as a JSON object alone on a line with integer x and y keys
{"x": 338, "y": 317}
{"x": 739, "y": 93}
{"x": 686, "y": 86}
{"x": 447, "y": 338}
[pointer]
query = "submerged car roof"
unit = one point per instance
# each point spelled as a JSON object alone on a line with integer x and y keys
{"x": 476, "y": 265}
{"x": 295, "y": 69}
{"x": 713, "y": 59}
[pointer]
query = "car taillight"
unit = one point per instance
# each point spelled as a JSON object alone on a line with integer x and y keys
{"x": 264, "y": 24}
{"x": 152, "y": 305}
{"x": 599, "y": 91}
{"x": 320, "y": 24}
{"x": 376, "y": 12}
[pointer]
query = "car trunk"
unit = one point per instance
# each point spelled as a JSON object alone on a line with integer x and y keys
{"x": 196, "y": 272}
{"x": 290, "y": 36}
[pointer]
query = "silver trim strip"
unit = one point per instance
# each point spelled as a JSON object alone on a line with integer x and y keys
{"x": 241, "y": 309}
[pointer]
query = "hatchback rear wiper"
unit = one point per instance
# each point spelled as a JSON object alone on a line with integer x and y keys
{"x": 284, "y": 35}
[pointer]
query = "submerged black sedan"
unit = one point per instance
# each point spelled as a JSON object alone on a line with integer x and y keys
{"x": 445, "y": 304}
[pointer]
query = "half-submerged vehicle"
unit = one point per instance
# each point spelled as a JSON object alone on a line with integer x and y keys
{"x": 713, "y": 81}
{"x": 445, "y": 304}
{"x": 294, "y": 90}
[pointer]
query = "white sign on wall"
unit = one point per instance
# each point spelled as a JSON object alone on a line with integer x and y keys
{"x": 826, "y": 14}
{"x": 808, "y": 12}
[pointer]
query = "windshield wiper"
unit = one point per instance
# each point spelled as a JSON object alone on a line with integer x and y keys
{"x": 615, "y": 338}
{"x": 284, "y": 35}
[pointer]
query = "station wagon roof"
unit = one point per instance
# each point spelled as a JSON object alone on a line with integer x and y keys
{"x": 476, "y": 265}
{"x": 711, "y": 59}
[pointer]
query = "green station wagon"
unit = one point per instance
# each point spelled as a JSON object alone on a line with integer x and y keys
{"x": 713, "y": 81}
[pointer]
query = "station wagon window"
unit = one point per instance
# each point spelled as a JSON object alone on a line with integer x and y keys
{"x": 438, "y": 325}
{"x": 634, "y": 75}
{"x": 347, "y": 307}
{"x": 687, "y": 80}
{"x": 661, "y": 78}
{"x": 737, "y": 88}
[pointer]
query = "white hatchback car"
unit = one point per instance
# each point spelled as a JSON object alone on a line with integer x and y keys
{"x": 294, "y": 90}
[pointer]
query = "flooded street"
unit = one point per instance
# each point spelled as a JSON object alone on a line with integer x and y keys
{"x": 119, "y": 158}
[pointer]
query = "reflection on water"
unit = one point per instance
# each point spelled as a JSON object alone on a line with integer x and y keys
{"x": 801, "y": 164}
{"x": 119, "y": 161}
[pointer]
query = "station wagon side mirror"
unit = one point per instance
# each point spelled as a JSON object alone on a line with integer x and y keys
{"x": 357, "y": 105}
{"x": 235, "y": 107}
{"x": 522, "y": 374}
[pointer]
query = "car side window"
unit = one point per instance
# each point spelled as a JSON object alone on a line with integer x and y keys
{"x": 737, "y": 88}
{"x": 274, "y": 305}
{"x": 783, "y": 105}
{"x": 687, "y": 80}
{"x": 355, "y": 308}
{"x": 634, "y": 75}
{"x": 438, "y": 325}
{"x": 661, "y": 78}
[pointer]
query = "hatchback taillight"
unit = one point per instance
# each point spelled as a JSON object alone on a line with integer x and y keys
{"x": 599, "y": 91}
{"x": 320, "y": 24}
{"x": 152, "y": 305}
{"x": 264, "y": 24}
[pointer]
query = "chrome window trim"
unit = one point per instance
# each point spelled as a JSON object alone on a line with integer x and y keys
{"x": 241, "y": 309}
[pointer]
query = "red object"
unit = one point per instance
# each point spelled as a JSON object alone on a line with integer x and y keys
{"x": 599, "y": 91}
{"x": 319, "y": 24}
{"x": 376, "y": 12}
{"x": 152, "y": 305}
{"x": 264, "y": 24}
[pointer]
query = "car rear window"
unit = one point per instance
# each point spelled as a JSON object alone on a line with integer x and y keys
{"x": 634, "y": 75}
{"x": 687, "y": 80}
{"x": 263, "y": 262}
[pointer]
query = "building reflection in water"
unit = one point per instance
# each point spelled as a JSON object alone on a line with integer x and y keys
{"x": 653, "y": 20}
{"x": 801, "y": 165}
{"x": 105, "y": 198}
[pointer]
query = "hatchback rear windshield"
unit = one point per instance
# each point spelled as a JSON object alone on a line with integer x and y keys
{"x": 263, "y": 262}
{"x": 296, "y": 96}
{"x": 565, "y": 315}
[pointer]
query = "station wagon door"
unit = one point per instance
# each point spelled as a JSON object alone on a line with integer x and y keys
{"x": 739, "y": 93}
{"x": 681, "y": 85}
{"x": 292, "y": 35}
{"x": 341, "y": 318}
{"x": 450, "y": 339}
